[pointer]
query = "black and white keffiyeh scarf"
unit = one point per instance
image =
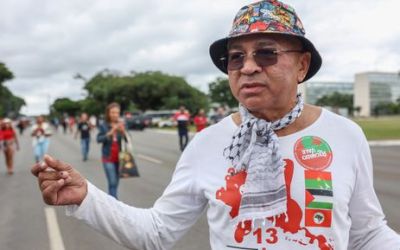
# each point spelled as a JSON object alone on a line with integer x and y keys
{"x": 255, "y": 149}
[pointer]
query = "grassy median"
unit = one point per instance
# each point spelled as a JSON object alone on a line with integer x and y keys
{"x": 381, "y": 128}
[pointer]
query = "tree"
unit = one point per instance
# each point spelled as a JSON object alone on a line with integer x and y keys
{"x": 65, "y": 105}
{"x": 337, "y": 100}
{"x": 10, "y": 105}
{"x": 91, "y": 106}
{"x": 386, "y": 108}
{"x": 220, "y": 92}
{"x": 156, "y": 90}
{"x": 5, "y": 73}
{"x": 106, "y": 87}
{"x": 147, "y": 90}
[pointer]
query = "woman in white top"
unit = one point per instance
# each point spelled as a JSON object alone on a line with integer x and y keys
{"x": 40, "y": 133}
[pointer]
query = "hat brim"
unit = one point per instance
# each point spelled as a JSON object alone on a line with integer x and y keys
{"x": 219, "y": 49}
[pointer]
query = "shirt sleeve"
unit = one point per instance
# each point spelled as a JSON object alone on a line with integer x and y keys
{"x": 158, "y": 227}
{"x": 102, "y": 134}
{"x": 369, "y": 230}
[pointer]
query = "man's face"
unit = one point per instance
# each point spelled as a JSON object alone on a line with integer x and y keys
{"x": 84, "y": 117}
{"x": 272, "y": 87}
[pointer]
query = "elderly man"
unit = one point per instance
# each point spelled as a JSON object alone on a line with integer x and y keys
{"x": 277, "y": 175}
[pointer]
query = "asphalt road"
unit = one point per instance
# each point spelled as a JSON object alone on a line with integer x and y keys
{"x": 25, "y": 220}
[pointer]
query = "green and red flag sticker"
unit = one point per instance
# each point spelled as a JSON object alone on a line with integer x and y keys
{"x": 318, "y": 198}
{"x": 313, "y": 153}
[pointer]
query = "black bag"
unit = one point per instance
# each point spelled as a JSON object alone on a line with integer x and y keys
{"x": 127, "y": 163}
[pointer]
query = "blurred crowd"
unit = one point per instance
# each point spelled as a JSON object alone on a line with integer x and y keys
{"x": 41, "y": 128}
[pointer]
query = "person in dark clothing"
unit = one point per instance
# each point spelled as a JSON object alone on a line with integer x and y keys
{"x": 84, "y": 128}
{"x": 64, "y": 123}
{"x": 182, "y": 118}
{"x": 111, "y": 133}
{"x": 21, "y": 126}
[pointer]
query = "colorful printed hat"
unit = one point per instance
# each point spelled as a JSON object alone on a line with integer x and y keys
{"x": 266, "y": 17}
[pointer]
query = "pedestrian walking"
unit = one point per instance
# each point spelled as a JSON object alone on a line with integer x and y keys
{"x": 182, "y": 119}
{"x": 111, "y": 133}
{"x": 220, "y": 114}
{"x": 93, "y": 121}
{"x": 55, "y": 122}
{"x": 200, "y": 120}
{"x": 10, "y": 144}
{"x": 84, "y": 129}
{"x": 21, "y": 126}
{"x": 278, "y": 174}
{"x": 71, "y": 124}
{"x": 64, "y": 123}
{"x": 41, "y": 133}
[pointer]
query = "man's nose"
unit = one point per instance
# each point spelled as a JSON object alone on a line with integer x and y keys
{"x": 250, "y": 66}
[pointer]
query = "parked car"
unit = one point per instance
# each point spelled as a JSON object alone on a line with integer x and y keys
{"x": 166, "y": 122}
{"x": 137, "y": 122}
{"x": 162, "y": 118}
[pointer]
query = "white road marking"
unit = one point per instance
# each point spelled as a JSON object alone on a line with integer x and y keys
{"x": 148, "y": 158}
{"x": 56, "y": 241}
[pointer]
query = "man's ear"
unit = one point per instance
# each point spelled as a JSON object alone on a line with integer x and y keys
{"x": 304, "y": 65}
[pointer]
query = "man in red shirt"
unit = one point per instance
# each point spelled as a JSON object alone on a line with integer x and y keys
{"x": 200, "y": 120}
{"x": 182, "y": 117}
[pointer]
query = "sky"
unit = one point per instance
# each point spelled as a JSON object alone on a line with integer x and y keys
{"x": 46, "y": 42}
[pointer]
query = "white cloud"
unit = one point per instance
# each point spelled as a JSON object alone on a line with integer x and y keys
{"x": 46, "y": 42}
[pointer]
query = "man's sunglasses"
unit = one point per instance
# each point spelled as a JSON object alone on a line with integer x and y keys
{"x": 263, "y": 58}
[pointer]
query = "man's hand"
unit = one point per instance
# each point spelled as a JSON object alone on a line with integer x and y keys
{"x": 59, "y": 183}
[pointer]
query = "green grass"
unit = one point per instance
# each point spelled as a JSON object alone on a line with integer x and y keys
{"x": 382, "y": 128}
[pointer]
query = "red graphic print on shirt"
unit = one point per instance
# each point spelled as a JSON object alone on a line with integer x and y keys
{"x": 231, "y": 195}
{"x": 290, "y": 222}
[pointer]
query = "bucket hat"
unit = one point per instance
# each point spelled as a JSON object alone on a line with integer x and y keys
{"x": 266, "y": 17}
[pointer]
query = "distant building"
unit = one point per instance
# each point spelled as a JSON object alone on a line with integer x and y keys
{"x": 372, "y": 88}
{"x": 312, "y": 91}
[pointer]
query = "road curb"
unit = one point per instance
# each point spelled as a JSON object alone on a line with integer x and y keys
{"x": 384, "y": 143}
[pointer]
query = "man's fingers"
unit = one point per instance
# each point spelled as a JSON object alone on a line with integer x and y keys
{"x": 43, "y": 185}
{"x": 56, "y": 164}
{"x": 37, "y": 168}
{"x": 52, "y": 175}
{"x": 50, "y": 192}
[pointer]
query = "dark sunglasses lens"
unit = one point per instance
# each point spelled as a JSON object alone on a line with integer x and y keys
{"x": 235, "y": 61}
{"x": 265, "y": 57}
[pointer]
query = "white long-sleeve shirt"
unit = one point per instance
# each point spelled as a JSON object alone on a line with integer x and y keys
{"x": 331, "y": 200}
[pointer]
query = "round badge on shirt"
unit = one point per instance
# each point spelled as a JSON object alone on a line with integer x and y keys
{"x": 313, "y": 153}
